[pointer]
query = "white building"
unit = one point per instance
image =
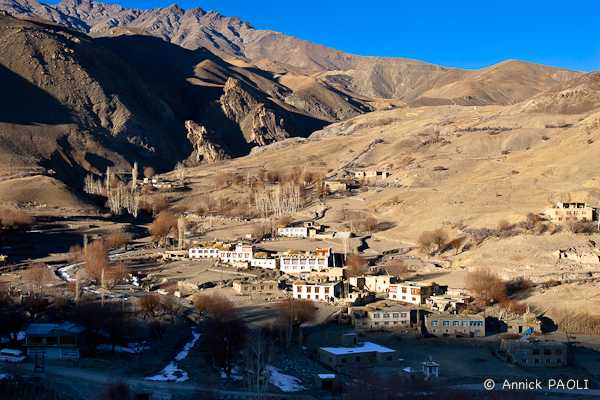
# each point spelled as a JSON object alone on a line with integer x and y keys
{"x": 203, "y": 252}
{"x": 263, "y": 262}
{"x": 305, "y": 262}
{"x": 240, "y": 254}
{"x": 373, "y": 283}
{"x": 327, "y": 292}
{"x": 293, "y": 231}
{"x": 414, "y": 292}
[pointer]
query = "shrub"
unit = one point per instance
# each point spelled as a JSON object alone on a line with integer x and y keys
{"x": 518, "y": 285}
{"x": 357, "y": 265}
{"x": 149, "y": 172}
{"x": 162, "y": 225}
{"x": 433, "y": 242}
{"x": 12, "y": 218}
{"x": 117, "y": 239}
{"x": 581, "y": 227}
{"x": 486, "y": 286}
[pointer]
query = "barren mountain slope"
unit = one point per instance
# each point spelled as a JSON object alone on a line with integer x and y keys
{"x": 66, "y": 101}
{"x": 576, "y": 96}
{"x": 74, "y": 104}
{"x": 506, "y": 83}
{"x": 355, "y": 76}
{"x": 451, "y": 164}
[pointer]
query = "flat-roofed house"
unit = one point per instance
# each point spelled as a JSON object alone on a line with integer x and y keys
{"x": 353, "y": 353}
{"x": 325, "y": 292}
{"x": 242, "y": 253}
{"x": 252, "y": 287}
{"x": 383, "y": 317}
{"x": 374, "y": 283}
{"x": 534, "y": 353}
{"x": 414, "y": 292}
{"x": 565, "y": 212}
{"x": 305, "y": 262}
{"x": 54, "y": 341}
{"x": 262, "y": 260}
{"x": 293, "y": 231}
{"x": 455, "y": 325}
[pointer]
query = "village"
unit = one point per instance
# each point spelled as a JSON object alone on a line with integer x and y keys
{"x": 316, "y": 312}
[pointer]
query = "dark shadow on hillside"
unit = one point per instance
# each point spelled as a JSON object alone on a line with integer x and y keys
{"x": 166, "y": 68}
{"x": 21, "y": 102}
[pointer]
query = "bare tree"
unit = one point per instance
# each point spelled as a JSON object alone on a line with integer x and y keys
{"x": 226, "y": 331}
{"x": 117, "y": 239}
{"x": 397, "y": 268}
{"x": 163, "y": 224}
{"x": 96, "y": 260}
{"x": 37, "y": 277}
{"x": 486, "y": 286}
{"x": 257, "y": 355}
{"x": 150, "y": 304}
{"x": 149, "y": 172}
{"x": 180, "y": 170}
{"x": 457, "y": 244}
{"x": 12, "y": 218}
{"x": 357, "y": 265}
{"x": 292, "y": 313}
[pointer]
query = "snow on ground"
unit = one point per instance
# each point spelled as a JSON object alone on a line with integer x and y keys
{"x": 236, "y": 374}
{"x": 286, "y": 383}
{"x": 65, "y": 274}
{"x": 131, "y": 348}
{"x": 182, "y": 355}
{"x": 172, "y": 372}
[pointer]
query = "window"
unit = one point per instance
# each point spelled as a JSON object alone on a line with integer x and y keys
{"x": 434, "y": 323}
{"x": 395, "y": 315}
{"x": 326, "y": 290}
{"x": 376, "y": 315}
{"x": 386, "y": 315}
{"x": 446, "y": 323}
{"x": 317, "y": 289}
{"x": 455, "y": 323}
{"x": 403, "y": 290}
{"x": 52, "y": 340}
{"x": 403, "y": 315}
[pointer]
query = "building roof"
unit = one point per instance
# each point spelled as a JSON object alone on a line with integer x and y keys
{"x": 40, "y": 329}
{"x": 363, "y": 347}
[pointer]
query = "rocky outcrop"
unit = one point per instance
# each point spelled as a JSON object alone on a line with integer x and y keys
{"x": 205, "y": 148}
{"x": 259, "y": 123}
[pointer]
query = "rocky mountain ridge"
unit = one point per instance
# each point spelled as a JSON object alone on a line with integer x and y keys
{"x": 355, "y": 76}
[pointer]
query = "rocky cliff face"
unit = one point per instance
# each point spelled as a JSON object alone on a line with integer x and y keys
{"x": 205, "y": 147}
{"x": 259, "y": 123}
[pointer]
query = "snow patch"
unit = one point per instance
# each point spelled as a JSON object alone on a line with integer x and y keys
{"x": 236, "y": 374}
{"x": 172, "y": 372}
{"x": 286, "y": 383}
{"x": 131, "y": 348}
